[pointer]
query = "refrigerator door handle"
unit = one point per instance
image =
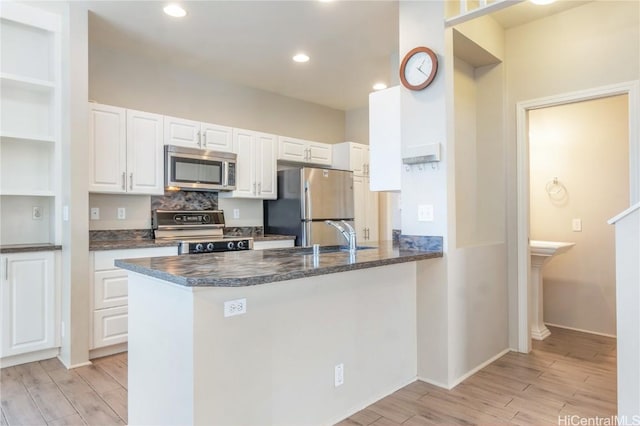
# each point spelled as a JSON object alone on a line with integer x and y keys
{"x": 307, "y": 212}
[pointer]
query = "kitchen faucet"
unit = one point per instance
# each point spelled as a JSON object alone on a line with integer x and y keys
{"x": 349, "y": 233}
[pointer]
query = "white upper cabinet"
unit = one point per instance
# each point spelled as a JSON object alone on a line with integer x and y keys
{"x": 125, "y": 151}
{"x": 256, "y": 165}
{"x": 194, "y": 134}
{"x": 108, "y": 148}
{"x": 303, "y": 151}
{"x": 351, "y": 156}
{"x": 145, "y": 167}
{"x": 216, "y": 138}
{"x": 28, "y": 295}
{"x": 384, "y": 139}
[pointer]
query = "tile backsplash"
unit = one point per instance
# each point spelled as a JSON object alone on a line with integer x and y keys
{"x": 185, "y": 200}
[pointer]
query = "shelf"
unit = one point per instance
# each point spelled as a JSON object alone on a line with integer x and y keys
{"x": 28, "y": 138}
{"x": 26, "y": 82}
{"x": 27, "y": 193}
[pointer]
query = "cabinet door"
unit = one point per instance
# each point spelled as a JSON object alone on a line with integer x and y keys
{"x": 360, "y": 207}
{"x": 217, "y": 138}
{"x": 110, "y": 326}
{"x": 110, "y": 289}
{"x": 145, "y": 168}
{"x": 244, "y": 147}
{"x": 384, "y": 139}
{"x": 107, "y": 148}
{"x": 291, "y": 149}
{"x": 319, "y": 153}
{"x": 181, "y": 132}
{"x": 372, "y": 206}
{"x": 266, "y": 166}
{"x": 358, "y": 158}
{"x": 28, "y": 297}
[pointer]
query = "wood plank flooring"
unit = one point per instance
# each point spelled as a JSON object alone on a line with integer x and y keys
{"x": 46, "y": 393}
{"x": 569, "y": 373}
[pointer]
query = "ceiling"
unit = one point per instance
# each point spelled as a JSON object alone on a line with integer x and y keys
{"x": 352, "y": 44}
{"x": 251, "y": 43}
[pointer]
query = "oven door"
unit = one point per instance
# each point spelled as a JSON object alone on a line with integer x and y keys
{"x": 192, "y": 169}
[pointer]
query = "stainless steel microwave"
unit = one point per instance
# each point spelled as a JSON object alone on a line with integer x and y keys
{"x": 193, "y": 169}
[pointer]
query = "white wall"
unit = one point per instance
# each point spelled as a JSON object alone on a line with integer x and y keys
{"x": 593, "y": 45}
{"x": 586, "y": 146}
{"x": 462, "y": 298}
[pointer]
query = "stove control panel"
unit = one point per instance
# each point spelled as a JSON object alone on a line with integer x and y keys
{"x": 216, "y": 246}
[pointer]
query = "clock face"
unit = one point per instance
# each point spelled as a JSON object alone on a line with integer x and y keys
{"x": 418, "y": 68}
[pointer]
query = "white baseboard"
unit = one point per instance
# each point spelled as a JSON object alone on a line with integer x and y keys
{"x": 371, "y": 400}
{"x": 70, "y": 367}
{"x": 468, "y": 374}
{"x": 10, "y": 361}
{"x": 108, "y": 350}
{"x": 581, "y": 330}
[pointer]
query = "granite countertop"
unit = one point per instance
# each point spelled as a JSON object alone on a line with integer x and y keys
{"x": 252, "y": 267}
{"x": 129, "y": 244}
{"x": 23, "y": 248}
{"x": 118, "y": 244}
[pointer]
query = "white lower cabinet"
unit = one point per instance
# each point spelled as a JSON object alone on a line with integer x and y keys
{"x": 366, "y": 210}
{"x": 109, "y": 299}
{"x": 28, "y": 298}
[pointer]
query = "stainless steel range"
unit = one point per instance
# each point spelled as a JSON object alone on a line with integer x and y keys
{"x": 197, "y": 231}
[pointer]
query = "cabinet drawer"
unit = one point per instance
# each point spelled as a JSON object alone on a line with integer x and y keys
{"x": 111, "y": 289}
{"x": 110, "y": 326}
{"x": 103, "y": 260}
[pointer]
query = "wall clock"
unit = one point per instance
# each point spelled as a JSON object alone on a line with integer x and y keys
{"x": 418, "y": 68}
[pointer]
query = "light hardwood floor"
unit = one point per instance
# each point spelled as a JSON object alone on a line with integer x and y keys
{"x": 569, "y": 373}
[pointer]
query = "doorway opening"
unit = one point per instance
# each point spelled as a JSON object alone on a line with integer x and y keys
{"x": 554, "y": 183}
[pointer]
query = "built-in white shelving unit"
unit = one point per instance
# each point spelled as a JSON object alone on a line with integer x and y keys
{"x": 30, "y": 134}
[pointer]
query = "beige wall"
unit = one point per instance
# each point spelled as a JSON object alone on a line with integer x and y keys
{"x": 589, "y": 46}
{"x": 585, "y": 145}
{"x": 121, "y": 79}
{"x": 357, "y": 125}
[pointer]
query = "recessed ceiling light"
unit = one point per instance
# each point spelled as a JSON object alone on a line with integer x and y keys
{"x": 175, "y": 10}
{"x": 301, "y": 57}
{"x": 379, "y": 86}
{"x": 542, "y": 2}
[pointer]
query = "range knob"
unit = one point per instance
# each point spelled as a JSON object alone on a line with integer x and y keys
{"x": 230, "y": 245}
{"x": 240, "y": 244}
{"x": 210, "y": 247}
{"x": 199, "y": 247}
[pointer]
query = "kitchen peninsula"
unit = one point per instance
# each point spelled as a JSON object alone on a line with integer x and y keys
{"x": 278, "y": 363}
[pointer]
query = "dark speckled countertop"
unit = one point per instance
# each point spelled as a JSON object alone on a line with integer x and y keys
{"x": 23, "y": 248}
{"x": 246, "y": 268}
{"x": 118, "y": 244}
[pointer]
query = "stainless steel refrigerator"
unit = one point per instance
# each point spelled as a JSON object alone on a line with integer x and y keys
{"x": 306, "y": 198}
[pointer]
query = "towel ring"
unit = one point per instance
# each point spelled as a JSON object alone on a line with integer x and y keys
{"x": 554, "y": 188}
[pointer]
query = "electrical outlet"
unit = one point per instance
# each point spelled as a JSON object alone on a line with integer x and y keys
{"x": 36, "y": 213}
{"x": 235, "y": 307}
{"x": 236, "y": 213}
{"x": 576, "y": 225}
{"x": 425, "y": 213}
{"x": 338, "y": 375}
{"x": 95, "y": 213}
{"x": 122, "y": 213}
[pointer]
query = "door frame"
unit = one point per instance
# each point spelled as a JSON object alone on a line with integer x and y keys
{"x": 632, "y": 90}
